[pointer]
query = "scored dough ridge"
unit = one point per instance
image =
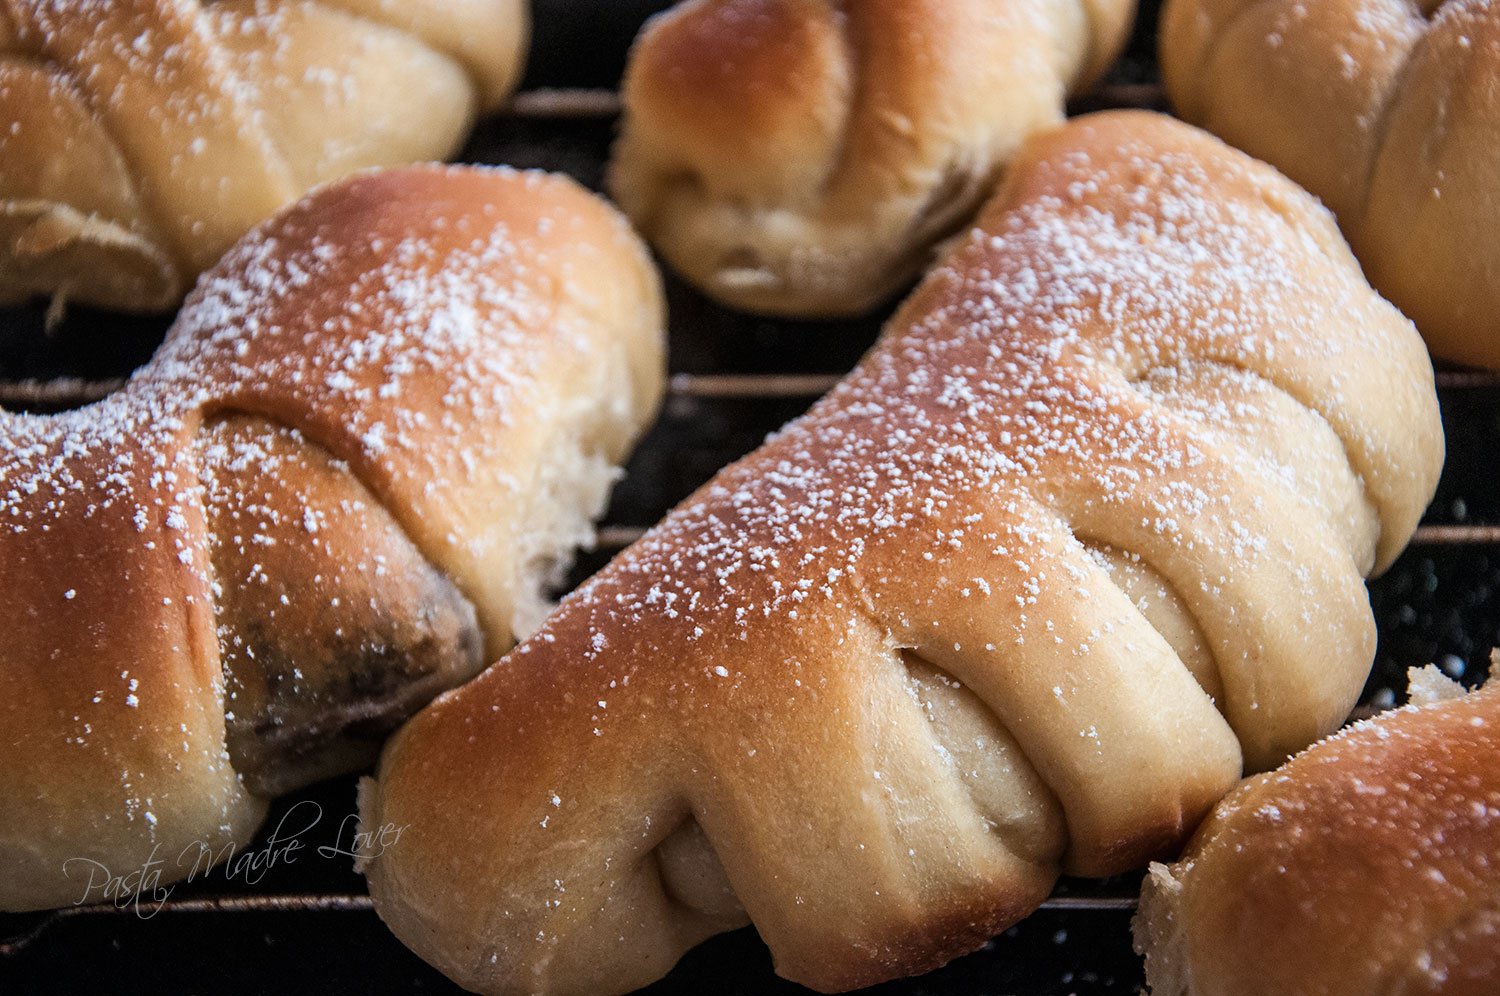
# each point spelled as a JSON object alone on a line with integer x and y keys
{"x": 364, "y": 411}
{"x": 1385, "y": 109}
{"x": 202, "y": 117}
{"x": 1146, "y": 344}
{"x": 800, "y": 157}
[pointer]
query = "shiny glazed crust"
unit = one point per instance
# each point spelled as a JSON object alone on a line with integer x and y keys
{"x": 1082, "y": 535}
{"x": 801, "y": 157}
{"x": 147, "y": 136}
{"x": 1389, "y": 110}
{"x": 333, "y": 492}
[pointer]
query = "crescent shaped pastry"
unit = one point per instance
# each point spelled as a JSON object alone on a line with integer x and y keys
{"x": 1082, "y": 536}
{"x": 335, "y": 490}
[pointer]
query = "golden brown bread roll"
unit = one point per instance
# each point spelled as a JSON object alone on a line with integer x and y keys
{"x": 1085, "y": 529}
{"x": 1369, "y": 863}
{"x": 337, "y": 489}
{"x": 801, "y": 157}
{"x": 1389, "y": 110}
{"x": 145, "y": 136}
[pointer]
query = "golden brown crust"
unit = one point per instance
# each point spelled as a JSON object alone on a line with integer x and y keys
{"x": 421, "y": 370}
{"x": 802, "y": 156}
{"x": 1389, "y": 110}
{"x": 884, "y": 663}
{"x": 1364, "y": 865}
{"x": 313, "y": 686}
{"x": 148, "y": 135}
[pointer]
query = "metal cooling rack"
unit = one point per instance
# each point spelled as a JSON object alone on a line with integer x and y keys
{"x": 307, "y": 925}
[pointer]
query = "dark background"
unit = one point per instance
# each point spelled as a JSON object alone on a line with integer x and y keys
{"x": 1441, "y": 602}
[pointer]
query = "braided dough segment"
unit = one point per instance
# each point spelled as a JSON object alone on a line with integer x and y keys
{"x": 313, "y": 684}
{"x": 488, "y": 38}
{"x": 849, "y": 786}
{"x": 352, "y": 111}
{"x": 114, "y": 748}
{"x": 553, "y": 314}
{"x": 740, "y": 663}
{"x": 801, "y": 156}
{"x": 1324, "y": 56}
{"x": 472, "y": 346}
{"x": 212, "y": 115}
{"x": 164, "y": 90}
{"x": 1434, "y": 197}
{"x": 1386, "y": 109}
{"x": 54, "y": 145}
{"x": 1366, "y": 864}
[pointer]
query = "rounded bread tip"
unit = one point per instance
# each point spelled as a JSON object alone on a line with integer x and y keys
{"x": 398, "y": 372}
{"x": 801, "y": 158}
{"x": 1364, "y": 864}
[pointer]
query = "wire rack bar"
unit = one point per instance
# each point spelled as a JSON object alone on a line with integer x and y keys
{"x": 66, "y": 391}
{"x": 357, "y": 903}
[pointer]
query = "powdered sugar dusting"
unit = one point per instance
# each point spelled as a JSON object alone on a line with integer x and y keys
{"x": 1149, "y": 352}
{"x": 1033, "y": 369}
{"x": 418, "y": 352}
{"x": 427, "y": 312}
{"x": 383, "y": 372}
{"x": 185, "y": 124}
{"x": 1157, "y": 350}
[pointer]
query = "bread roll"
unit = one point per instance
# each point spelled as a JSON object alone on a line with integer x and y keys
{"x": 337, "y": 489}
{"x": 1389, "y": 110}
{"x": 1085, "y": 533}
{"x": 1369, "y": 863}
{"x": 146, "y": 136}
{"x": 801, "y": 157}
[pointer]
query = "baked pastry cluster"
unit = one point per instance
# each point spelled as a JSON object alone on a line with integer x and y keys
{"x": 801, "y": 157}
{"x": 1081, "y": 538}
{"x": 146, "y": 136}
{"x": 1366, "y": 864}
{"x": 1388, "y": 110}
{"x": 335, "y": 490}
